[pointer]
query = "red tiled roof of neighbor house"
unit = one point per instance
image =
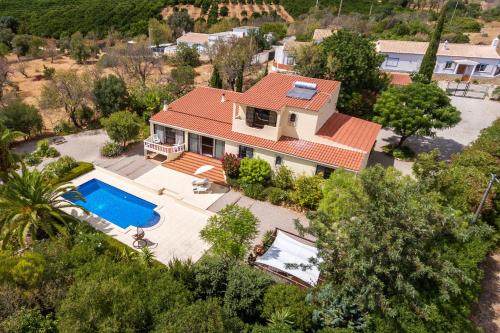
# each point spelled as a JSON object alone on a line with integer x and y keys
{"x": 400, "y": 79}
{"x": 271, "y": 93}
{"x": 201, "y": 111}
{"x": 350, "y": 131}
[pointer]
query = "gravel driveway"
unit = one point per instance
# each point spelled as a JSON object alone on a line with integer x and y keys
{"x": 476, "y": 115}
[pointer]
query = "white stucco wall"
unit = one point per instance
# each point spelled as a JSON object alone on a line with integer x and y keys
{"x": 411, "y": 63}
{"x": 297, "y": 165}
{"x": 401, "y": 62}
{"x": 488, "y": 72}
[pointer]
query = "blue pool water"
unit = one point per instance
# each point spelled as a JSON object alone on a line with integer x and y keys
{"x": 116, "y": 206}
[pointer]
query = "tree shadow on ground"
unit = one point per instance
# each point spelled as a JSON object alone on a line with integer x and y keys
{"x": 423, "y": 144}
{"x": 483, "y": 313}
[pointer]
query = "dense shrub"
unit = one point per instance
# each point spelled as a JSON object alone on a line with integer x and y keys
{"x": 254, "y": 170}
{"x": 111, "y": 149}
{"x": 29, "y": 321}
{"x": 48, "y": 72}
{"x": 231, "y": 165}
{"x": 201, "y": 316}
{"x": 255, "y": 191}
{"x": 45, "y": 150}
{"x": 19, "y": 116}
{"x": 276, "y": 196}
{"x": 123, "y": 297}
{"x": 64, "y": 128}
{"x": 60, "y": 167}
{"x": 307, "y": 191}
{"x": 186, "y": 56}
{"x": 281, "y": 297}
{"x": 32, "y": 159}
{"x": 283, "y": 178}
{"x": 81, "y": 169}
{"x": 211, "y": 277}
{"x": 245, "y": 291}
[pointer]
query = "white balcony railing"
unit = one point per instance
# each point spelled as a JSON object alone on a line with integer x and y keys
{"x": 162, "y": 148}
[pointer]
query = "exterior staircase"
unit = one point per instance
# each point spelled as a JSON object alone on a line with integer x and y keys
{"x": 189, "y": 162}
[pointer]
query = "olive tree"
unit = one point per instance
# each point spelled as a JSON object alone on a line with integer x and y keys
{"x": 231, "y": 232}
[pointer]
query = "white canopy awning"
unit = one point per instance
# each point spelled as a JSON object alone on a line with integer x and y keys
{"x": 466, "y": 62}
{"x": 286, "y": 250}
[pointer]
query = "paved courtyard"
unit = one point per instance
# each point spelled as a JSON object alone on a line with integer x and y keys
{"x": 177, "y": 233}
{"x": 476, "y": 115}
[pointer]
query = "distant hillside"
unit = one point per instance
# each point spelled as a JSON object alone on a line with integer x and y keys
{"x": 54, "y": 17}
{"x": 239, "y": 11}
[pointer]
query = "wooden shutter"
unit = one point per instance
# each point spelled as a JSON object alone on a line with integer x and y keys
{"x": 250, "y": 115}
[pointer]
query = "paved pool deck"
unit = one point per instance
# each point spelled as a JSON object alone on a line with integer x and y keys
{"x": 177, "y": 233}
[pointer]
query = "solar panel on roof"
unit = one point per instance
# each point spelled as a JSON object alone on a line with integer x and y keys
{"x": 301, "y": 93}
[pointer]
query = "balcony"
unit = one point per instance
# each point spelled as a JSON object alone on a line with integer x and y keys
{"x": 170, "y": 151}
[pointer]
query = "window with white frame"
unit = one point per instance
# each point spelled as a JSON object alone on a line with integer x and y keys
{"x": 449, "y": 65}
{"x": 481, "y": 68}
{"x": 278, "y": 160}
{"x": 392, "y": 62}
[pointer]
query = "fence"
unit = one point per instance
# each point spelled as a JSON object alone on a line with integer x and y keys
{"x": 467, "y": 89}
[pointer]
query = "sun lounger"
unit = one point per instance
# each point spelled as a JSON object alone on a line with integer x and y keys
{"x": 202, "y": 188}
{"x": 200, "y": 182}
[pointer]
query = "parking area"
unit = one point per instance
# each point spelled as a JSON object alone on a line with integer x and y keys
{"x": 477, "y": 114}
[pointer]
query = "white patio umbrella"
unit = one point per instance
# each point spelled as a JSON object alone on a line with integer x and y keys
{"x": 203, "y": 168}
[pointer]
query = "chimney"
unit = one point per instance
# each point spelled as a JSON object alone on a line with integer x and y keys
{"x": 223, "y": 98}
{"x": 165, "y": 105}
{"x": 446, "y": 45}
{"x": 494, "y": 43}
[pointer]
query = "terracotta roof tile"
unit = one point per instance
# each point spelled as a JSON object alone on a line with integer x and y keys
{"x": 400, "y": 79}
{"x": 350, "y": 131}
{"x": 271, "y": 93}
{"x": 320, "y": 153}
{"x": 205, "y": 102}
{"x": 453, "y": 49}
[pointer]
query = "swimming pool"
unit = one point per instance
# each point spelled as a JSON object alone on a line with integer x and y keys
{"x": 116, "y": 206}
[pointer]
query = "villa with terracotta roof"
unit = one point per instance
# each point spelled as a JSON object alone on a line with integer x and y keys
{"x": 456, "y": 61}
{"x": 284, "y": 119}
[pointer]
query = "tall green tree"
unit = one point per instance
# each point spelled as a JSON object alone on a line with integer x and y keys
{"x": 349, "y": 58}
{"x": 429, "y": 60}
{"x": 416, "y": 109}
{"x": 8, "y": 159}
{"x": 110, "y": 95}
{"x": 69, "y": 90}
{"x": 180, "y": 22}
{"x": 31, "y": 207}
{"x": 122, "y": 127}
{"x": 78, "y": 48}
{"x": 239, "y": 78}
{"x": 215, "y": 79}
{"x": 159, "y": 32}
{"x": 382, "y": 237}
{"x": 19, "y": 116}
{"x": 231, "y": 232}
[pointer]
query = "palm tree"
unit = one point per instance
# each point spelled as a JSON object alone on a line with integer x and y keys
{"x": 8, "y": 160}
{"x": 30, "y": 207}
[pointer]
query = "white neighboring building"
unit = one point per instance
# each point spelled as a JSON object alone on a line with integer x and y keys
{"x": 226, "y": 36}
{"x": 462, "y": 61}
{"x": 285, "y": 56}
